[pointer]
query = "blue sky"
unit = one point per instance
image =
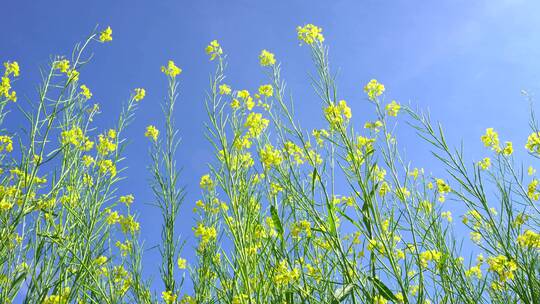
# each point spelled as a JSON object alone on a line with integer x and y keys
{"x": 464, "y": 61}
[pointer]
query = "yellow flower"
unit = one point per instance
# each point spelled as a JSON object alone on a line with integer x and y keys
{"x": 5, "y": 87}
{"x": 393, "y": 108}
{"x": 224, "y": 89}
{"x": 206, "y": 182}
{"x": 442, "y": 188}
{"x": 12, "y": 67}
{"x": 113, "y": 217}
{"x": 447, "y": 215}
{"x": 62, "y": 65}
{"x": 337, "y": 114}
{"x": 106, "y": 144}
{"x": 107, "y": 166}
{"x": 266, "y": 58}
{"x": 476, "y": 237}
{"x": 169, "y": 297}
{"x": 310, "y": 33}
{"x": 529, "y": 239}
{"x": 255, "y": 124}
{"x": 508, "y": 148}
{"x": 106, "y": 35}
{"x": 485, "y": 163}
{"x": 5, "y": 205}
{"x": 6, "y": 143}
{"x": 182, "y": 263}
{"x": 129, "y": 224}
{"x": 429, "y": 255}
{"x": 139, "y": 94}
{"x": 532, "y": 192}
{"x": 531, "y": 171}
{"x": 533, "y": 143}
{"x": 86, "y": 92}
{"x": 374, "y": 89}
{"x": 503, "y": 267}
{"x": 151, "y": 132}
{"x": 284, "y": 276}
{"x": 270, "y": 157}
{"x": 127, "y": 199}
{"x": 378, "y": 299}
{"x": 266, "y": 90}
{"x": 214, "y": 49}
{"x": 207, "y": 234}
{"x": 171, "y": 70}
{"x": 491, "y": 140}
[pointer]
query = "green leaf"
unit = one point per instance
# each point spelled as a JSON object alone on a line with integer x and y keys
{"x": 276, "y": 220}
{"x": 383, "y": 289}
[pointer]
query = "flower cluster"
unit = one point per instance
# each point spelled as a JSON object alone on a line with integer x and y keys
{"x": 309, "y": 34}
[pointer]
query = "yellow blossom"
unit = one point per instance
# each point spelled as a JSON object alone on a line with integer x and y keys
{"x": 378, "y": 299}
{"x": 139, "y": 94}
{"x": 485, "y": 163}
{"x": 393, "y": 108}
{"x": 214, "y": 49}
{"x": 270, "y": 157}
{"x": 508, "y": 148}
{"x": 106, "y": 35}
{"x": 12, "y": 67}
{"x": 127, "y": 199}
{"x": 447, "y": 215}
{"x": 336, "y": 114}
{"x": 152, "y": 132}
{"x": 266, "y": 58}
{"x": 310, "y": 33}
{"x": 373, "y": 89}
{"x": 533, "y": 143}
{"x": 168, "y": 297}
{"x": 529, "y": 239}
{"x": 207, "y": 234}
{"x": 171, "y": 69}
{"x": 182, "y": 263}
{"x": 224, "y": 89}
{"x": 206, "y": 182}
{"x": 86, "y": 92}
{"x": 491, "y": 139}
{"x": 6, "y": 143}
{"x": 503, "y": 267}
{"x": 266, "y": 90}
{"x": 256, "y": 124}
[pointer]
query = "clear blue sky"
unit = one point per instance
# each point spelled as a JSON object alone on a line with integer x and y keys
{"x": 466, "y": 61}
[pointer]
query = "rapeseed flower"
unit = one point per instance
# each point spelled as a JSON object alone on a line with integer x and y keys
{"x": 168, "y": 297}
{"x": 529, "y": 239}
{"x": 393, "y": 108}
{"x": 85, "y": 91}
{"x": 139, "y": 94}
{"x": 152, "y": 132}
{"x": 491, "y": 140}
{"x": 533, "y": 143}
{"x": 206, "y": 182}
{"x": 6, "y": 143}
{"x": 373, "y": 89}
{"x": 503, "y": 267}
{"x": 106, "y": 35}
{"x": 485, "y": 163}
{"x": 214, "y": 49}
{"x": 171, "y": 69}
{"x": 270, "y": 157}
{"x": 11, "y": 68}
{"x": 266, "y": 58}
{"x": 266, "y": 90}
{"x": 224, "y": 89}
{"x": 309, "y": 34}
{"x": 256, "y": 124}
